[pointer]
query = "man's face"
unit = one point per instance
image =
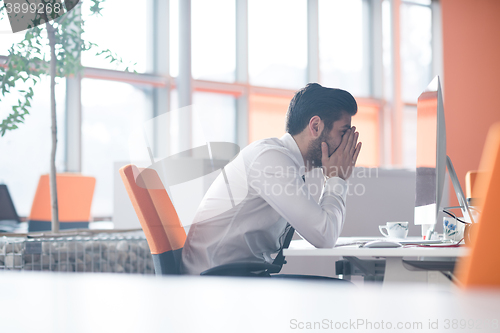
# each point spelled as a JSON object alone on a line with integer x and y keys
{"x": 333, "y": 138}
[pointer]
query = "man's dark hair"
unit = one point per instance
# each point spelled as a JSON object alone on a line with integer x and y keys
{"x": 316, "y": 100}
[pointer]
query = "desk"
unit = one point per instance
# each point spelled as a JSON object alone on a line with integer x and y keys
{"x": 395, "y": 269}
{"x": 58, "y": 302}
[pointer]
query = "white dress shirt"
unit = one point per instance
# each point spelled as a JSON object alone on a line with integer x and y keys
{"x": 243, "y": 216}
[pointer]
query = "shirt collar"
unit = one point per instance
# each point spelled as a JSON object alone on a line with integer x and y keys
{"x": 289, "y": 142}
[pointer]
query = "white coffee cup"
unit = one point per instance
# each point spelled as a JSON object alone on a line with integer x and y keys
{"x": 394, "y": 229}
{"x": 452, "y": 229}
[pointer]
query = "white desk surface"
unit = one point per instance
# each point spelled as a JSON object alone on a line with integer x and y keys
{"x": 303, "y": 248}
{"x": 94, "y": 302}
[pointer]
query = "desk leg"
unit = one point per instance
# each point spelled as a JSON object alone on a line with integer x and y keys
{"x": 396, "y": 272}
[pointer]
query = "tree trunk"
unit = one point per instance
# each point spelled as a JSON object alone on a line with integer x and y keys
{"x": 53, "y": 172}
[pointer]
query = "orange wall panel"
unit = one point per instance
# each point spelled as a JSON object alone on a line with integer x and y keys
{"x": 471, "y": 51}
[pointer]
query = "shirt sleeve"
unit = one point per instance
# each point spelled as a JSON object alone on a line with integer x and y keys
{"x": 275, "y": 177}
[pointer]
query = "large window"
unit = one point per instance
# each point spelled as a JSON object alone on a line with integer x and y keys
{"x": 247, "y": 59}
{"x": 416, "y": 69}
{"x": 174, "y": 37}
{"x": 122, "y": 29}
{"x": 217, "y": 116}
{"x": 277, "y": 43}
{"x": 342, "y": 50}
{"x": 214, "y": 40}
{"x": 387, "y": 47}
{"x": 7, "y": 38}
{"x": 416, "y": 50}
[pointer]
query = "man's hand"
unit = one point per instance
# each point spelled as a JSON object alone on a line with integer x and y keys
{"x": 342, "y": 161}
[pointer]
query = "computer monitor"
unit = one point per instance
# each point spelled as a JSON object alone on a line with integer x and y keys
{"x": 431, "y": 155}
{"x": 431, "y": 162}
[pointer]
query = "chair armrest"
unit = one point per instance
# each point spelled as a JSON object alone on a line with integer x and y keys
{"x": 242, "y": 269}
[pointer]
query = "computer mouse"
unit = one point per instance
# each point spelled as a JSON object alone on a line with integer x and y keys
{"x": 382, "y": 244}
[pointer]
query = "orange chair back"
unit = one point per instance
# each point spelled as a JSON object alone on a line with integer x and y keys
{"x": 74, "y": 196}
{"x": 482, "y": 267}
{"x": 155, "y": 210}
{"x": 470, "y": 183}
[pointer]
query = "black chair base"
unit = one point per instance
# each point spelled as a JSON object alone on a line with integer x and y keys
{"x": 242, "y": 269}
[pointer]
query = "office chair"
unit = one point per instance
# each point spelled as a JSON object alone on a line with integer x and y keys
{"x": 482, "y": 267}
{"x": 74, "y": 194}
{"x": 470, "y": 182}
{"x": 164, "y": 231}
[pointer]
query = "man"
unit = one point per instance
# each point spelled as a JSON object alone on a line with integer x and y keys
{"x": 244, "y": 215}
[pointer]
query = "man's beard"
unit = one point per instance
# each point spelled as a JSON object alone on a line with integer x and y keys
{"x": 314, "y": 152}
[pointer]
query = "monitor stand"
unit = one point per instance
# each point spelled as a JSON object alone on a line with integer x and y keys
{"x": 458, "y": 192}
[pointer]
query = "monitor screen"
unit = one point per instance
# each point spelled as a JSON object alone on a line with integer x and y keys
{"x": 431, "y": 154}
{"x": 7, "y": 209}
